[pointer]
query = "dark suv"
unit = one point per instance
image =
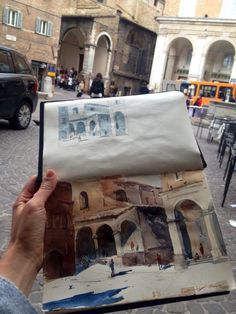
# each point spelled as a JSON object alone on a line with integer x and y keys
{"x": 18, "y": 89}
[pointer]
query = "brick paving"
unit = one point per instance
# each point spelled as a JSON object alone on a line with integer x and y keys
{"x": 18, "y": 160}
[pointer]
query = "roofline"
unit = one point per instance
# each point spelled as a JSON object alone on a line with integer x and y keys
{"x": 141, "y": 26}
{"x": 197, "y": 20}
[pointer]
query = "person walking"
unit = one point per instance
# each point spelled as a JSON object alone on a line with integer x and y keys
{"x": 97, "y": 87}
{"x": 112, "y": 267}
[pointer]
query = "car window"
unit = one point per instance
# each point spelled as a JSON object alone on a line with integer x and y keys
{"x": 6, "y": 65}
{"x": 21, "y": 65}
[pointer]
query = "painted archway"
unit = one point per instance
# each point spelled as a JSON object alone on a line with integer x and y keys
{"x": 219, "y": 61}
{"x": 85, "y": 244}
{"x": 192, "y": 229}
{"x": 106, "y": 241}
{"x": 127, "y": 229}
{"x": 178, "y": 59}
{"x": 53, "y": 264}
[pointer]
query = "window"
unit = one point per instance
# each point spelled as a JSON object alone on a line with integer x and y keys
{"x": 207, "y": 91}
{"x": 6, "y": 65}
{"x": 178, "y": 176}
{"x": 120, "y": 196}
{"x": 228, "y": 61}
{"x": 83, "y": 199}
{"x": 12, "y": 17}
{"x": 43, "y": 27}
{"x": 21, "y": 64}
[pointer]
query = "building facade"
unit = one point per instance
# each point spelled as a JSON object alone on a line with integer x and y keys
{"x": 33, "y": 28}
{"x": 196, "y": 41}
{"x": 114, "y": 38}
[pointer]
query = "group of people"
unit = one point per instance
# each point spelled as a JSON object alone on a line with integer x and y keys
{"x": 71, "y": 80}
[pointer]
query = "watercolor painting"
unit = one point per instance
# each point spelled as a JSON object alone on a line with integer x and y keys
{"x": 121, "y": 240}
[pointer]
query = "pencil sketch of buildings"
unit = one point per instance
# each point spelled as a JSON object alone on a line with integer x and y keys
{"x": 90, "y": 120}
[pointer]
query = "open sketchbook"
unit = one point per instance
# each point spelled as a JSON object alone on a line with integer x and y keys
{"x": 131, "y": 221}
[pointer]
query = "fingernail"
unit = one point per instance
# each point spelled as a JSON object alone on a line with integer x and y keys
{"x": 49, "y": 173}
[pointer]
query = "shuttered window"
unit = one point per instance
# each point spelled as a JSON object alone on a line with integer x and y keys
{"x": 12, "y": 17}
{"x": 43, "y": 27}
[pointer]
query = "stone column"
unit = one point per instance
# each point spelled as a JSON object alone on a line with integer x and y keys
{"x": 196, "y": 69}
{"x": 170, "y": 63}
{"x": 108, "y": 65}
{"x": 117, "y": 238}
{"x": 158, "y": 64}
{"x": 233, "y": 73}
{"x": 89, "y": 54}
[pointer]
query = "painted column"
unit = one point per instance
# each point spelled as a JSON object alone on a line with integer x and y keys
{"x": 196, "y": 69}
{"x": 95, "y": 241}
{"x": 117, "y": 238}
{"x": 215, "y": 251}
{"x": 158, "y": 64}
{"x": 179, "y": 259}
{"x": 233, "y": 73}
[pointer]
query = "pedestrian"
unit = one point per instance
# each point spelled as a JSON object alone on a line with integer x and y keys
{"x": 159, "y": 261}
{"x": 144, "y": 89}
{"x": 80, "y": 88}
{"x": 197, "y": 103}
{"x": 112, "y": 267}
{"x": 113, "y": 89}
{"x": 23, "y": 257}
{"x": 97, "y": 87}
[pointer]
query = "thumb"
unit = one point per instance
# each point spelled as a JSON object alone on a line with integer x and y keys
{"x": 47, "y": 187}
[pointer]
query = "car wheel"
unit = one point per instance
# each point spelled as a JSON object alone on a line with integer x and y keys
{"x": 22, "y": 117}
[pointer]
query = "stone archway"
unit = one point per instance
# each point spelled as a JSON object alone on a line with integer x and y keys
{"x": 178, "y": 59}
{"x": 219, "y": 61}
{"x": 84, "y": 244}
{"x": 101, "y": 57}
{"x": 192, "y": 229}
{"x": 71, "y": 53}
{"x": 106, "y": 241}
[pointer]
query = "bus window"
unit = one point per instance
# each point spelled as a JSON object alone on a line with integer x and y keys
{"x": 225, "y": 92}
{"x": 207, "y": 91}
{"x": 192, "y": 89}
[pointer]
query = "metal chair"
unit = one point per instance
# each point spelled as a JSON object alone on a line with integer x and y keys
{"x": 230, "y": 172}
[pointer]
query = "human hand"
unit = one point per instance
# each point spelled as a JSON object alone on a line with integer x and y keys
{"x": 24, "y": 256}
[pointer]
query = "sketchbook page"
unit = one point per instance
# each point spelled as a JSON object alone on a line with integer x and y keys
{"x": 118, "y": 241}
{"x": 133, "y": 135}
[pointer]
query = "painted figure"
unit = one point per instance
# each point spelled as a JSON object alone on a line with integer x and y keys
{"x": 159, "y": 261}
{"x": 112, "y": 267}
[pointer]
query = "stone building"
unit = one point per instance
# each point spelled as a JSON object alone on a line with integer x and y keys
{"x": 196, "y": 40}
{"x": 116, "y": 38}
{"x": 33, "y": 28}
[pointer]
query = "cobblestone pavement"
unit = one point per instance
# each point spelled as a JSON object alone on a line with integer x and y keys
{"x": 18, "y": 160}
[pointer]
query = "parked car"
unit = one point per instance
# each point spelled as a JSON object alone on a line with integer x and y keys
{"x": 18, "y": 89}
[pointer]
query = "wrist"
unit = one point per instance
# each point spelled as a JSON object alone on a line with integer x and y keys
{"x": 19, "y": 269}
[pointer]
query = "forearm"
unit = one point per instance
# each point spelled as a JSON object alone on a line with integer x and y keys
{"x": 18, "y": 269}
